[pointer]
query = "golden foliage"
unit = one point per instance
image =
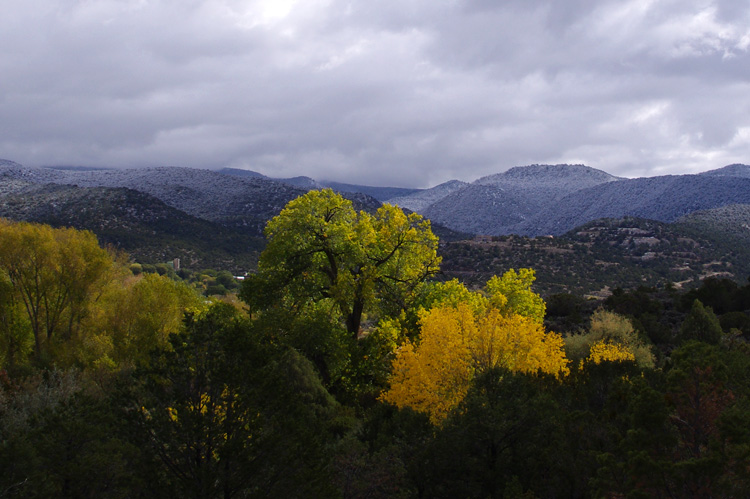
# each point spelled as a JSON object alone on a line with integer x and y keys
{"x": 609, "y": 352}
{"x": 520, "y": 344}
{"x": 434, "y": 375}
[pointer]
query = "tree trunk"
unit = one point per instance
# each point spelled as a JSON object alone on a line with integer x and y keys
{"x": 354, "y": 319}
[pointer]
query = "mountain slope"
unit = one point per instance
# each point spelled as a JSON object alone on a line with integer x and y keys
{"x": 145, "y": 227}
{"x": 239, "y": 172}
{"x": 727, "y": 226}
{"x": 205, "y": 194}
{"x": 380, "y": 193}
{"x": 497, "y": 204}
{"x": 480, "y": 209}
{"x": 735, "y": 170}
{"x": 734, "y": 219}
{"x": 419, "y": 201}
{"x": 540, "y": 180}
{"x": 658, "y": 198}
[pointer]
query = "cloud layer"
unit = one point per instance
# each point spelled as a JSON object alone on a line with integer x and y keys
{"x": 386, "y": 93}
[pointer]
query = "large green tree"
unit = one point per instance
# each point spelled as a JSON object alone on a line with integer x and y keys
{"x": 321, "y": 249}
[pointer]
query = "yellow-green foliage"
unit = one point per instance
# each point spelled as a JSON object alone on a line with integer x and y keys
{"x": 452, "y": 293}
{"x": 66, "y": 301}
{"x": 55, "y": 274}
{"x": 511, "y": 294}
{"x": 16, "y": 342}
{"x": 137, "y": 315}
{"x": 434, "y": 375}
{"x": 609, "y": 328}
{"x": 321, "y": 249}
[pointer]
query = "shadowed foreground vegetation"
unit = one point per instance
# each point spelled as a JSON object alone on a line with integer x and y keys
{"x": 347, "y": 370}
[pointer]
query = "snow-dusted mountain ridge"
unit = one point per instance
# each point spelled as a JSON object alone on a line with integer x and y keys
{"x": 529, "y": 200}
{"x": 496, "y": 204}
{"x": 562, "y": 175}
{"x": 419, "y": 201}
{"x": 247, "y": 202}
{"x": 735, "y": 170}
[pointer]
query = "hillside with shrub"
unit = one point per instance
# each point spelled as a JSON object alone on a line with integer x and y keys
{"x": 600, "y": 255}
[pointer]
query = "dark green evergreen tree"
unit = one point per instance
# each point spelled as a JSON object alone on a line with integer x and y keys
{"x": 701, "y": 324}
{"x": 226, "y": 414}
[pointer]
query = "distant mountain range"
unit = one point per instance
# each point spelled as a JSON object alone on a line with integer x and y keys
{"x": 207, "y": 218}
{"x": 307, "y": 183}
{"x": 663, "y": 199}
{"x": 198, "y": 209}
{"x": 247, "y": 202}
{"x": 554, "y": 199}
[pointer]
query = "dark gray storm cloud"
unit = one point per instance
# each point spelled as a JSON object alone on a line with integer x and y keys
{"x": 388, "y": 92}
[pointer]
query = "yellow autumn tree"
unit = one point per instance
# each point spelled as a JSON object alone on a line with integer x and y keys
{"x": 609, "y": 352}
{"x": 434, "y": 375}
{"x": 519, "y": 344}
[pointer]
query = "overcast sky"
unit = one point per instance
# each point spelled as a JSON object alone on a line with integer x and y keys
{"x": 379, "y": 92}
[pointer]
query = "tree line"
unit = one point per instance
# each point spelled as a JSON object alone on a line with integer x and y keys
{"x": 348, "y": 370}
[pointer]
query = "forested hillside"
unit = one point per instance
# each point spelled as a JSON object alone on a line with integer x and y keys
{"x": 607, "y": 253}
{"x": 148, "y": 229}
{"x": 350, "y": 368}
